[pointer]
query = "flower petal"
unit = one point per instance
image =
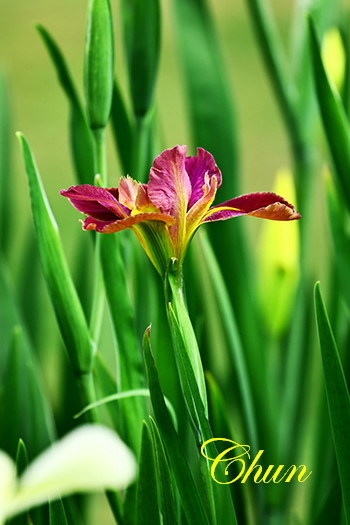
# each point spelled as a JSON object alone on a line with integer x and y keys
{"x": 169, "y": 186}
{"x": 201, "y": 206}
{"x": 7, "y": 483}
{"x": 90, "y": 458}
{"x": 97, "y": 202}
{"x": 115, "y": 226}
{"x": 128, "y": 190}
{"x": 197, "y": 167}
{"x": 263, "y": 205}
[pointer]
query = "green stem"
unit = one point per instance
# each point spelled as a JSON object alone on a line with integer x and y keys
{"x": 100, "y": 154}
{"x": 98, "y": 294}
{"x": 174, "y": 295}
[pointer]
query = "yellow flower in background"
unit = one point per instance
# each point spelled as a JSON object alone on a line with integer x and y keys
{"x": 279, "y": 262}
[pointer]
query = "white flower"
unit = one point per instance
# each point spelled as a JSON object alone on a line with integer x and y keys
{"x": 89, "y": 458}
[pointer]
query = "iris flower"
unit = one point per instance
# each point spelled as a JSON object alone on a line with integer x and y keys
{"x": 165, "y": 213}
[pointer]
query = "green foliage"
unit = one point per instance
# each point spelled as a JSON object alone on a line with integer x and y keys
{"x": 70, "y": 316}
{"x": 216, "y": 369}
{"x": 99, "y": 63}
{"x": 337, "y": 396}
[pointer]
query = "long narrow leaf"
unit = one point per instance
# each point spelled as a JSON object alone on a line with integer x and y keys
{"x": 166, "y": 485}
{"x": 147, "y": 508}
{"x": 129, "y": 351}
{"x": 335, "y": 122}
{"x": 337, "y": 396}
{"x": 57, "y": 513}
{"x": 70, "y": 316}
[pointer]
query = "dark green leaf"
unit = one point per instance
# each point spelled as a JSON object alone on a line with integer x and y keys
{"x": 169, "y": 507}
{"x": 337, "y": 396}
{"x": 25, "y": 412}
{"x": 129, "y": 350}
{"x": 147, "y": 506}
{"x": 143, "y": 26}
{"x": 340, "y": 236}
{"x": 335, "y": 122}
{"x": 57, "y": 513}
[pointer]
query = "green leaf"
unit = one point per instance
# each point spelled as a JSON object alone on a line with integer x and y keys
{"x": 57, "y": 513}
{"x": 142, "y": 23}
{"x": 69, "y": 313}
{"x": 337, "y": 396}
{"x": 25, "y": 413}
{"x": 122, "y": 129}
{"x": 191, "y": 502}
{"x": 340, "y": 236}
{"x": 21, "y": 456}
{"x": 80, "y": 134}
{"x": 169, "y": 507}
{"x": 147, "y": 507}
{"x": 99, "y": 63}
{"x": 335, "y": 122}
{"x": 129, "y": 350}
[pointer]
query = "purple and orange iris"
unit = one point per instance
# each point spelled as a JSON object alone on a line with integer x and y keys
{"x": 166, "y": 212}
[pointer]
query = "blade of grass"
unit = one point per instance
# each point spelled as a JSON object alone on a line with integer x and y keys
{"x": 337, "y": 396}
{"x": 147, "y": 507}
{"x": 69, "y": 313}
{"x": 340, "y": 237}
{"x": 25, "y": 411}
{"x": 80, "y": 134}
{"x": 57, "y": 513}
{"x": 335, "y": 122}
{"x": 169, "y": 507}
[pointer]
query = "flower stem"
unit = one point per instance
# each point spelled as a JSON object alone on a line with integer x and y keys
{"x": 98, "y": 295}
{"x": 174, "y": 295}
{"x": 100, "y": 154}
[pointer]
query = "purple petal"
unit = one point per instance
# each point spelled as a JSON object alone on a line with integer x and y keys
{"x": 263, "y": 205}
{"x": 122, "y": 224}
{"x": 196, "y": 168}
{"x": 97, "y": 202}
{"x": 169, "y": 186}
